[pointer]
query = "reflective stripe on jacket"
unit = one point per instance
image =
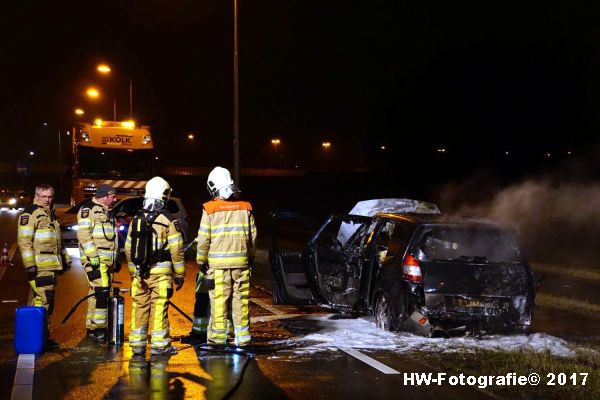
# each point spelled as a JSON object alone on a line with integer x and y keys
{"x": 38, "y": 235}
{"x": 166, "y": 229}
{"x": 97, "y": 233}
{"x": 227, "y": 234}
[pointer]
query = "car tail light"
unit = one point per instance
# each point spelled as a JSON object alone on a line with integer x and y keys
{"x": 411, "y": 269}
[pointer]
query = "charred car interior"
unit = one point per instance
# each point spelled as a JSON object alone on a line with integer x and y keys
{"x": 427, "y": 273}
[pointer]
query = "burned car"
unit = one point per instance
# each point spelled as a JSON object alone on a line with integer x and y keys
{"x": 428, "y": 273}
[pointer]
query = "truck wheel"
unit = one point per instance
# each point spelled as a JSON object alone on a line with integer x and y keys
{"x": 384, "y": 318}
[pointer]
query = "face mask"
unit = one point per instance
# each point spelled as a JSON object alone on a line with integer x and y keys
{"x": 153, "y": 204}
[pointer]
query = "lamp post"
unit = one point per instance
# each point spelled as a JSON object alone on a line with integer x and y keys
{"x": 236, "y": 138}
{"x": 326, "y": 146}
{"x": 275, "y": 143}
{"x": 105, "y": 69}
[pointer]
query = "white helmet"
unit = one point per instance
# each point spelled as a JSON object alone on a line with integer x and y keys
{"x": 219, "y": 183}
{"x": 157, "y": 188}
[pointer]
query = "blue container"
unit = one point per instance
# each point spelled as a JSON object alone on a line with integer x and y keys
{"x": 30, "y": 330}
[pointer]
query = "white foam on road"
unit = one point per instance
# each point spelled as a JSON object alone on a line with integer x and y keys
{"x": 363, "y": 334}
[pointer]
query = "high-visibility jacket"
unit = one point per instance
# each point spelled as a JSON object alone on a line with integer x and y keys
{"x": 39, "y": 238}
{"x": 227, "y": 234}
{"x": 97, "y": 233}
{"x": 166, "y": 229}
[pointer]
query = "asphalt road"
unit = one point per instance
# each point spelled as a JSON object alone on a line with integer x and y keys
{"x": 82, "y": 369}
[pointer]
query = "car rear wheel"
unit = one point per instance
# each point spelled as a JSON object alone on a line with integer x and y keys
{"x": 384, "y": 318}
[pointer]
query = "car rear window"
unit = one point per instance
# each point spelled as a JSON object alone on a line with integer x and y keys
{"x": 470, "y": 244}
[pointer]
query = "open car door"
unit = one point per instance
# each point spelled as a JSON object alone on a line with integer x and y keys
{"x": 324, "y": 270}
{"x": 288, "y": 257}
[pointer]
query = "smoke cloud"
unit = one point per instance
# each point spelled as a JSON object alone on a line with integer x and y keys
{"x": 557, "y": 222}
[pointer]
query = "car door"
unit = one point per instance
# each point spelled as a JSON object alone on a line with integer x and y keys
{"x": 325, "y": 271}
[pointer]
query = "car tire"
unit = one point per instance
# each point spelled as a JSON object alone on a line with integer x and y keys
{"x": 384, "y": 318}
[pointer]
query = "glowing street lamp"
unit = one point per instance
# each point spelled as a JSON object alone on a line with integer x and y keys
{"x": 190, "y": 136}
{"x": 326, "y": 145}
{"x": 92, "y": 93}
{"x": 275, "y": 142}
{"x": 103, "y": 69}
{"x": 79, "y": 111}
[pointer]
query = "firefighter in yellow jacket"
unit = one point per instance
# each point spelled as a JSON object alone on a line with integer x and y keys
{"x": 41, "y": 249}
{"x": 98, "y": 247}
{"x": 226, "y": 241}
{"x": 152, "y": 282}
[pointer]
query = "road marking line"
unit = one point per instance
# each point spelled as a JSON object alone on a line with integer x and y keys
{"x": 23, "y": 384}
{"x": 267, "y": 306}
{"x": 269, "y": 318}
{"x": 368, "y": 360}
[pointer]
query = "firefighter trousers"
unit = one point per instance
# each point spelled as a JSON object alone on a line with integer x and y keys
{"x": 149, "y": 298}
{"x": 43, "y": 284}
{"x": 231, "y": 289}
{"x": 99, "y": 281}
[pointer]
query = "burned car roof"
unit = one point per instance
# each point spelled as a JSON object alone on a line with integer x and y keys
{"x": 417, "y": 218}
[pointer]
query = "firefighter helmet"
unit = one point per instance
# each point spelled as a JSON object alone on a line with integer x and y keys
{"x": 219, "y": 183}
{"x": 157, "y": 188}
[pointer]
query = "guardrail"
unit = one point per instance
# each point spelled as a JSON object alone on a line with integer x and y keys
{"x": 56, "y": 168}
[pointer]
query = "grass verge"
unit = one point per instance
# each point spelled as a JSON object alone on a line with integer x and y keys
{"x": 568, "y": 372}
{"x": 575, "y": 272}
{"x": 568, "y": 304}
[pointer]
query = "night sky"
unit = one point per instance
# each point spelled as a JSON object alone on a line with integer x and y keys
{"x": 478, "y": 80}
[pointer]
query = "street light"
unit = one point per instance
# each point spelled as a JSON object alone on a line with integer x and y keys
{"x": 275, "y": 142}
{"x": 104, "y": 69}
{"x": 190, "y": 136}
{"x": 92, "y": 92}
{"x": 326, "y": 146}
{"x": 79, "y": 111}
{"x": 236, "y": 138}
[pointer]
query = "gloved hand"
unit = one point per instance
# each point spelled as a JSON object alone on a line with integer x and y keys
{"x": 95, "y": 262}
{"x": 178, "y": 283}
{"x": 203, "y": 267}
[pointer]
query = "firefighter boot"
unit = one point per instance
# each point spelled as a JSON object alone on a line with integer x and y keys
{"x": 194, "y": 338}
{"x": 139, "y": 351}
{"x": 100, "y": 335}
